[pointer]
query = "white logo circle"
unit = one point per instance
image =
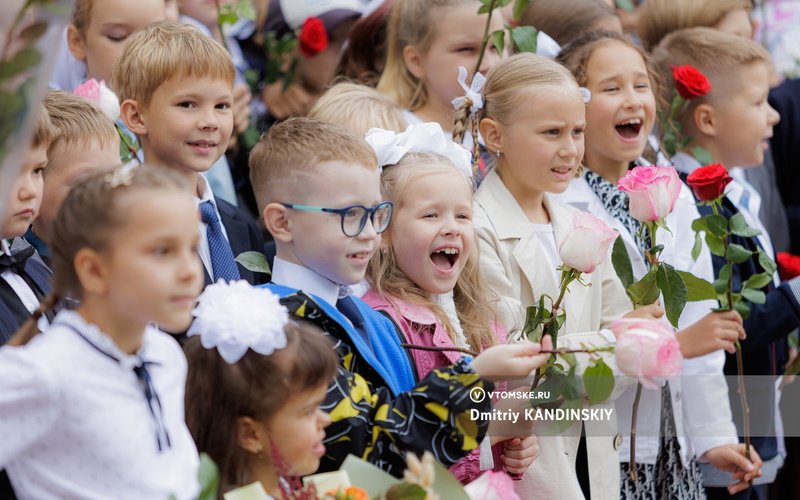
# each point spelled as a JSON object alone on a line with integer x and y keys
{"x": 477, "y": 394}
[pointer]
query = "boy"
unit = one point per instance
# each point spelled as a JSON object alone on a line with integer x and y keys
{"x": 83, "y": 141}
{"x": 733, "y": 122}
{"x": 318, "y": 188}
{"x": 176, "y": 89}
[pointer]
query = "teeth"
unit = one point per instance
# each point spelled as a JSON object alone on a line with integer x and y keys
{"x": 449, "y": 251}
{"x": 632, "y": 121}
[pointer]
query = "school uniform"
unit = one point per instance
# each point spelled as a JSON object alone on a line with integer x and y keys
{"x": 75, "y": 421}
{"x": 24, "y": 284}
{"x": 515, "y": 264}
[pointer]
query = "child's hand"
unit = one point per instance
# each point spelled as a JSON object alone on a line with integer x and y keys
{"x": 511, "y": 361}
{"x": 731, "y": 458}
{"x": 241, "y": 108}
{"x": 519, "y": 454}
{"x": 284, "y": 104}
{"x": 646, "y": 312}
{"x": 717, "y": 330}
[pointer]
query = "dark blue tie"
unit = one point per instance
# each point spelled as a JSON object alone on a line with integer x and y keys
{"x": 222, "y": 262}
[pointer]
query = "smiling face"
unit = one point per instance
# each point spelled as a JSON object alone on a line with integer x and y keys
{"x": 110, "y": 23}
{"x": 622, "y": 110}
{"x": 26, "y": 194}
{"x": 187, "y": 123}
{"x": 431, "y": 233}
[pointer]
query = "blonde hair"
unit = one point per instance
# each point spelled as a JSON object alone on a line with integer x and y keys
{"x": 412, "y": 22}
{"x": 658, "y": 18}
{"x": 508, "y": 83}
{"x": 548, "y": 16}
{"x": 719, "y": 56}
{"x": 77, "y": 122}
{"x": 42, "y": 128}
{"x": 165, "y": 51}
{"x": 297, "y": 146}
{"x": 471, "y": 296}
{"x": 89, "y": 217}
{"x": 359, "y": 108}
{"x": 82, "y": 15}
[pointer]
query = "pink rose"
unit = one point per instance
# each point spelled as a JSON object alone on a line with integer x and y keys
{"x": 101, "y": 95}
{"x": 652, "y": 191}
{"x": 586, "y": 245}
{"x": 647, "y": 350}
{"x": 491, "y": 486}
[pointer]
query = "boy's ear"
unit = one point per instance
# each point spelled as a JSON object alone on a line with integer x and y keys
{"x": 75, "y": 42}
{"x": 413, "y": 61}
{"x": 131, "y": 113}
{"x": 250, "y": 436}
{"x": 705, "y": 120}
{"x": 277, "y": 222}
{"x": 91, "y": 270}
{"x": 492, "y": 134}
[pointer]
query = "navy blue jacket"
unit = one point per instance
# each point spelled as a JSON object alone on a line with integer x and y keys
{"x": 243, "y": 235}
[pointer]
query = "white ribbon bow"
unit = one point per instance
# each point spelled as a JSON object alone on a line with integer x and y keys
{"x": 235, "y": 317}
{"x": 473, "y": 92}
{"x": 420, "y": 138}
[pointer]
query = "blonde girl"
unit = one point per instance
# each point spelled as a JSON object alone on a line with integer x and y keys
{"x": 427, "y": 42}
{"x": 533, "y": 122}
{"x": 93, "y": 407}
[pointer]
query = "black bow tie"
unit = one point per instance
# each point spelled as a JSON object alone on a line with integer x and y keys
{"x": 17, "y": 261}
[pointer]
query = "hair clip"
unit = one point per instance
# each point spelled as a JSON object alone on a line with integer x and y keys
{"x": 235, "y": 317}
{"x": 473, "y": 92}
{"x": 122, "y": 176}
{"x": 420, "y": 138}
{"x": 587, "y": 95}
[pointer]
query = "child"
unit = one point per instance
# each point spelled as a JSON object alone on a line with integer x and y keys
{"x": 427, "y": 42}
{"x": 93, "y": 407}
{"x": 358, "y": 108}
{"x": 256, "y": 381}
{"x": 318, "y": 187}
{"x": 175, "y": 85}
{"x": 84, "y": 141}
{"x": 733, "y": 122}
{"x": 533, "y": 122}
{"x": 25, "y": 281}
{"x": 584, "y": 15}
{"x": 425, "y": 277}
{"x": 658, "y": 18}
{"x": 619, "y": 118}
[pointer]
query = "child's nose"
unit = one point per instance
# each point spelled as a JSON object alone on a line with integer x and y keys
{"x": 190, "y": 266}
{"x": 773, "y": 117}
{"x": 208, "y": 120}
{"x": 27, "y": 189}
{"x": 323, "y": 418}
{"x": 451, "y": 228}
{"x": 490, "y": 58}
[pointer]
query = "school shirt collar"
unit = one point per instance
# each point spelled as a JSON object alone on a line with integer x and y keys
{"x": 4, "y": 248}
{"x": 302, "y": 278}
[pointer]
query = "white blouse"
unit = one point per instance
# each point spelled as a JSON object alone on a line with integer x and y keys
{"x": 75, "y": 421}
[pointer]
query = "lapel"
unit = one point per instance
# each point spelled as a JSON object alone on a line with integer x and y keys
{"x": 8, "y": 323}
{"x": 40, "y": 274}
{"x": 238, "y": 236}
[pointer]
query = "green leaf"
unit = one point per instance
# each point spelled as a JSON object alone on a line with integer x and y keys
{"x": 559, "y": 426}
{"x": 698, "y": 246}
{"x": 715, "y": 244}
{"x": 700, "y": 224}
{"x": 703, "y": 156}
{"x": 717, "y": 225}
{"x": 626, "y": 5}
{"x": 228, "y": 18}
{"x": 754, "y": 296}
{"x": 23, "y": 60}
{"x": 254, "y": 261}
{"x": 208, "y": 474}
{"x": 720, "y": 286}
{"x": 519, "y": 8}
{"x": 742, "y": 308}
{"x": 644, "y": 291}
{"x": 572, "y": 385}
{"x": 725, "y": 272}
{"x": 674, "y": 291}
{"x": 553, "y": 385}
{"x": 34, "y": 31}
{"x": 499, "y": 39}
{"x": 598, "y": 381}
{"x": 524, "y": 38}
{"x": 739, "y": 227}
{"x": 656, "y": 250}
{"x": 246, "y": 10}
{"x": 757, "y": 281}
{"x": 737, "y": 253}
{"x": 697, "y": 288}
{"x": 485, "y": 8}
{"x": 622, "y": 263}
{"x": 406, "y": 491}
{"x": 767, "y": 263}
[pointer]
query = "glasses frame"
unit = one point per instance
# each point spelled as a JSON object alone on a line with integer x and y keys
{"x": 368, "y": 213}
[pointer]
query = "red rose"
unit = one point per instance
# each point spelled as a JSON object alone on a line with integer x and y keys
{"x": 313, "y": 37}
{"x": 690, "y": 82}
{"x": 788, "y": 265}
{"x": 708, "y": 183}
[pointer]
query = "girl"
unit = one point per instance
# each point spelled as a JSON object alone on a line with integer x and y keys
{"x": 93, "y": 407}
{"x": 427, "y": 41}
{"x": 619, "y": 119}
{"x": 256, "y": 382}
{"x": 425, "y": 276}
{"x": 533, "y": 121}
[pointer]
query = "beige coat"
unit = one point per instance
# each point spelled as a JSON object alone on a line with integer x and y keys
{"x": 516, "y": 268}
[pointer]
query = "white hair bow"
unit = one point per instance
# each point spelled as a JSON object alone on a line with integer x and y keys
{"x": 473, "y": 92}
{"x": 421, "y": 138}
{"x": 235, "y": 317}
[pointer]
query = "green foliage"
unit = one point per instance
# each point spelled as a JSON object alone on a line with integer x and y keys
{"x": 759, "y": 280}
{"x": 673, "y": 290}
{"x": 702, "y": 155}
{"x": 524, "y": 38}
{"x": 644, "y": 291}
{"x": 254, "y": 261}
{"x": 626, "y": 5}
{"x": 598, "y": 381}
{"x": 499, "y": 39}
{"x": 622, "y": 263}
{"x": 208, "y": 474}
{"x": 697, "y": 288}
{"x": 737, "y": 253}
{"x": 739, "y": 227}
{"x": 406, "y": 491}
{"x": 767, "y": 263}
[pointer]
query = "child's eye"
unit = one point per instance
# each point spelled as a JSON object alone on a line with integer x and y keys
{"x": 38, "y": 171}
{"x": 463, "y": 216}
{"x": 429, "y": 216}
{"x": 578, "y": 131}
{"x": 160, "y": 251}
{"x": 466, "y": 49}
{"x": 116, "y": 39}
{"x": 552, "y": 131}
{"x": 610, "y": 89}
{"x": 187, "y": 104}
{"x": 223, "y": 105}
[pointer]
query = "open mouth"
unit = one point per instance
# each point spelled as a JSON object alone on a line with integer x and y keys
{"x": 445, "y": 258}
{"x": 629, "y": 129}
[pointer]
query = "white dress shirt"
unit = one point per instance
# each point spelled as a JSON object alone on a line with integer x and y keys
{"x": 202, "y": 248}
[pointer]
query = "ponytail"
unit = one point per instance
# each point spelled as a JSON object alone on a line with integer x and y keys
{"x": 465, "y": 118}
{"x": 30, "y": 328}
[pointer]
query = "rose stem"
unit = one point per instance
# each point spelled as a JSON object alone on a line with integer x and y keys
{"x": 632, "y": 472}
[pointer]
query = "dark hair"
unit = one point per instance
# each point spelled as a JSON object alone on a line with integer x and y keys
{"x": 551, "y": 17}
{"x": 364, "y": 57}
{"x": 256, "y": 386}
{"x": 88, "y": 218}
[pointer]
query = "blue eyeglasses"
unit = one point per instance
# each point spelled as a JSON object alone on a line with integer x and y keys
{"x": 354, "y": 217}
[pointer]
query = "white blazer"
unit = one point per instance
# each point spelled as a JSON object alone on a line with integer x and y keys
{"x": 515, "y": 267}
{"x": 700, "y": 396}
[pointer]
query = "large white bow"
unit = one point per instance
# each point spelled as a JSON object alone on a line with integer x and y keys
{"x": 421, "y": 138}
{"x": 236, "y": 316}
{"x": 473, "y": 92}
